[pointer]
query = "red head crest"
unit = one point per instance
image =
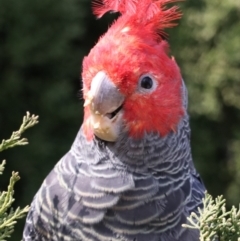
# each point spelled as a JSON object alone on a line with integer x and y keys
{"x": 153, "y": 12}
{"x": 133, "y": 47}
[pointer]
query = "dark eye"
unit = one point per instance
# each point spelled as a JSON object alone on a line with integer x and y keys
{"x": 146, "y": 82}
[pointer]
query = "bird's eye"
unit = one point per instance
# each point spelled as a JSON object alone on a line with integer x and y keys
{"x": 146, "y": 82}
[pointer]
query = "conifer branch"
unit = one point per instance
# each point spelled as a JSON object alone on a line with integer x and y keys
{"x": 214, "y": 222}
{"x": 8, "y": 215}
{"x": 15, "y": 139}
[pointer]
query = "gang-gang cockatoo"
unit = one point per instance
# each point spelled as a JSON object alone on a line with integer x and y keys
{"x": 129, "y": 175}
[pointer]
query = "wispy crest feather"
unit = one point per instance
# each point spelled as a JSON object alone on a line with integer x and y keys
{"x": 153, "y": 11}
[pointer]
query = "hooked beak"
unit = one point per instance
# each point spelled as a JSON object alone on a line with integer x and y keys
{"x": 105, "y": 102}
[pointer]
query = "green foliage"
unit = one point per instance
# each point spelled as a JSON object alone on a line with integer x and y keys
{"x": 9, "y": 215}
{"x": 15, "y": 139}
{"x": 214, "y": 222}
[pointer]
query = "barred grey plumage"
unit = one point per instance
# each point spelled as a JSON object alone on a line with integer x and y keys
{"x": 128, "y": 190}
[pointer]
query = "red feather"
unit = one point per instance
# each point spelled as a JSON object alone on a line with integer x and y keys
{"x": 153, "y": 11}
{"x": 133, "y": 46}
{"x": 100, "y": 7}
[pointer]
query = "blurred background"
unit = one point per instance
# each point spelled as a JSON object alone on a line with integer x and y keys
{"x": 42, "y": 44}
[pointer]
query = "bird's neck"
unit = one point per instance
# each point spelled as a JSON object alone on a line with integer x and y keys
{"x": 148, "y": 154}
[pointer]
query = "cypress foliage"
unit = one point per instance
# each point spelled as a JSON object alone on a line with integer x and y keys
{"x": 9, "y": 215}
{"x": 214, "y": 222}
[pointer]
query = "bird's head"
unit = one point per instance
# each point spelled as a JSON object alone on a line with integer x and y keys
{"x": 130, "y": 84}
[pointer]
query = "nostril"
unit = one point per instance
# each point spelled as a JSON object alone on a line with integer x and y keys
{"x": 114, "y": 113}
